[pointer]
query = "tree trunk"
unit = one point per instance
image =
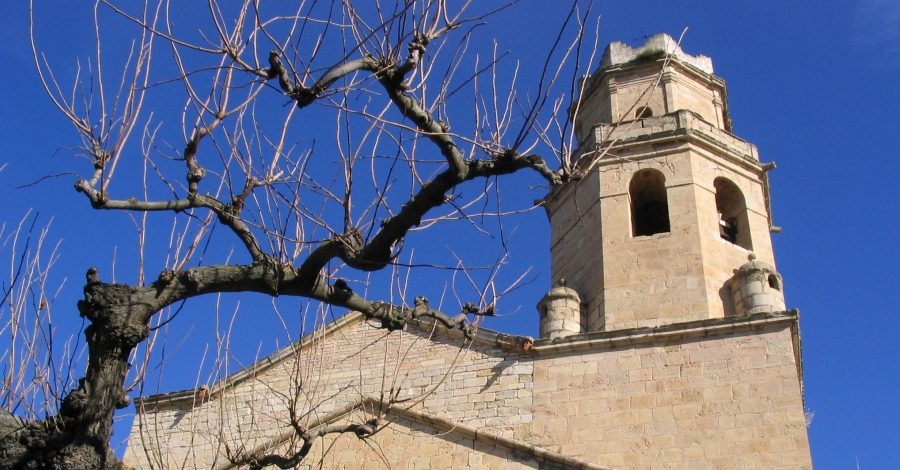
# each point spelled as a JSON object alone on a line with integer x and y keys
{"x": 78, "y": 437}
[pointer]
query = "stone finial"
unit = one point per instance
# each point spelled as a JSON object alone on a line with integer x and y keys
{"x": 560, "y": 312}
{"x": 756, "y": 287}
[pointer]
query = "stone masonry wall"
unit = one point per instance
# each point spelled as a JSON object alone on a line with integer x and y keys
{"x": 479, "y": 386}
{"x": 614, "y": 96}
{"x": 695, "y": 93}
{"x": 634, "y": 89}
{"x": 408, "y": 445}
{"x": 720, "y": 256}
{"x": 656, "y": 279}
{"x": 691, "y": 398}
{"x": 722, "y": 402}
{"x": 575, "y": 234}
{"x": 629, "y": 281}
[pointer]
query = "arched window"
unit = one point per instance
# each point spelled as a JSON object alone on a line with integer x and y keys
{"x": 643, "y": 112}
{"x": 734, "y": 225}
{"x": 773, "y": 282}
{"x": 649, "y": 204}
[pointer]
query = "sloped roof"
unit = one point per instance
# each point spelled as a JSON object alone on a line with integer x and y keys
{"x": 483, "y": 336}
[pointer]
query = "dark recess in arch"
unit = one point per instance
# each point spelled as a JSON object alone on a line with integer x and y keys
{"x": 649, "y": 203}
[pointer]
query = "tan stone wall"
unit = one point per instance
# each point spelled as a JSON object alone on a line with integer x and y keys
{"x": 712, "y": 400}
{"x": 594, "y": 109}
{"x": 408, "y": 445}
{"x": 656, "y": 279}
{"x": 693, "y": 92}
{"x": 724, "y": 402}
{"x": 575, "y": 238}
{"x": 616, "y": 96}
{"x": 635, "y": 89}
{"x": 721, "y": 257}
{"x": 627, "y": 281}
{"x": 479, "y": 386}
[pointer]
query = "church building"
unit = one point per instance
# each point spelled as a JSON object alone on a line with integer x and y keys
{"x": 665, "y": 342}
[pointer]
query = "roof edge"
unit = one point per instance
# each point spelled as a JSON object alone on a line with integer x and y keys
{"x": 691, "y": 329}
{"x": 190, "y": 395}
{"x": 483, "y": 336}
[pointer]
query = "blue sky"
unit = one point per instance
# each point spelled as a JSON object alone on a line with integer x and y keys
{"x": 813, "y": 84}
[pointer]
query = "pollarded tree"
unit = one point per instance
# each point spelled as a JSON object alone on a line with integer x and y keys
{"x": 258, "y": 85}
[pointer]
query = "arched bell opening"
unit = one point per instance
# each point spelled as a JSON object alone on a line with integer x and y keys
{"x": 734, "y": 225}
{"x": 649, "y": 203}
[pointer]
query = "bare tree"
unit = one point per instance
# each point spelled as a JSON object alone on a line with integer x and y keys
{"x": 35, "y": 377}
{"x": 390, "y": 77}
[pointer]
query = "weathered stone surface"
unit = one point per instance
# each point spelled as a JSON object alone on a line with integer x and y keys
{"x": 701, "y": 395}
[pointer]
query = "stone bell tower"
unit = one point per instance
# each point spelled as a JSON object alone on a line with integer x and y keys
{"x": 671, "y": 204}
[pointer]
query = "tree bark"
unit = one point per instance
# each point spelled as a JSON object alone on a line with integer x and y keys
{"x": 78, "y": 436}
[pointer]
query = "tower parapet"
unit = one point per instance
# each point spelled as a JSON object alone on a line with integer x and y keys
{"x": 654, "y": 79}
{"x": 618, "y": 53}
